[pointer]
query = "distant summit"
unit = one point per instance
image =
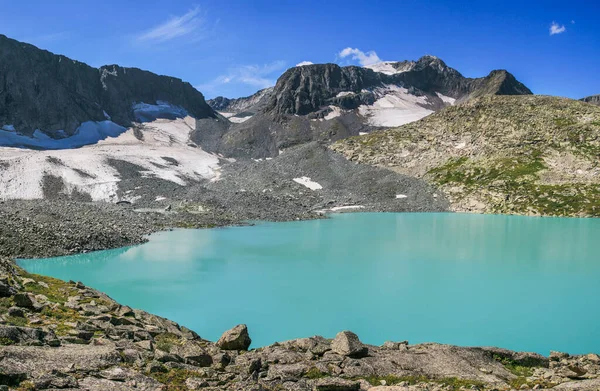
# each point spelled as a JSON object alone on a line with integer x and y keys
{"x": 594, "y": 99}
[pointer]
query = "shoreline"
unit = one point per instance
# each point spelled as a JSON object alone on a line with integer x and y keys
{"x": 77, "y": 323}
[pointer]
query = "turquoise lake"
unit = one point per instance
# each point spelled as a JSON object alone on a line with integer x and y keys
{"x": 523, "y": 283}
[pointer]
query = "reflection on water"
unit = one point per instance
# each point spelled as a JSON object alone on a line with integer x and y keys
{"x": 518, "y": 282}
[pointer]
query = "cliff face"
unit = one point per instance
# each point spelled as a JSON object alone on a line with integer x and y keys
{"x": 41, "y": 90}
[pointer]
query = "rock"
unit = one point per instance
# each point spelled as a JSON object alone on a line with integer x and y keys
{"x": 155, "y": 367}
{"x": 79, "y": 285}
{"x": 346, "y": 343}
{"x": 164, "y": 357}
{"x": 395, "y": 345}
{"x": 24, "y": 300}
{"x": 125, "y": 311}
{"x": 235, "y": 339}
{"x": 195, "y": 383}
{"x": 116, "y": 374}
{"x": 5, "y": 289}
{"x": 16, "y": 312}
{"x": 557, "y": 356}
{"x": 333, "y": 384}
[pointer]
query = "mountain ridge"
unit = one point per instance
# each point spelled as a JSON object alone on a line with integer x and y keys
{"x": 52, "y": 93}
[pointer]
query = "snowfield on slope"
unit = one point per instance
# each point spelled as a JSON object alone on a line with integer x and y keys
{"x": 161, "y": 148}
{"x": 395, "y": 107}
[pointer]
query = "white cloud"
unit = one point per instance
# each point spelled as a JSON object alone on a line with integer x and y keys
{"x": 555, "y": 28}
{"x": 303, "y": 63}
{"x": 175, "y": 27}
{"x": 368, "y": 58}
{"x": 257, "y": 76}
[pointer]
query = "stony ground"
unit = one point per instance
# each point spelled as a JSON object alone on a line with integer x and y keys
{"x": 64, "y": 335}
{"x": 247, "y": 190}
{"x": 534, "y": 155}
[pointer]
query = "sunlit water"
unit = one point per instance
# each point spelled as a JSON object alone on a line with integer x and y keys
{"x": 517, "y": 282}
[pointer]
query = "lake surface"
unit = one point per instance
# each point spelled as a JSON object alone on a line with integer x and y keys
{"x": 522, "y": 283}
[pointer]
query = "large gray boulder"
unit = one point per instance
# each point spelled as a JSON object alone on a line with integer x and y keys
{"x": 235, "y": 339}
{"x": 346, "y": 343}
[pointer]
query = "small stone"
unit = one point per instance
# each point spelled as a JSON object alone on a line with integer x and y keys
{"x": 79, "y": 285}
{"x": 156, "y": 367}
{"x": 116, "y": 374}
{"x": 27, "y": 281}
{"x": 195, "y": 383}
{"x": 346, "y": 343}
{"x": 235, "y": 339}
{"x": 557, "y": 356}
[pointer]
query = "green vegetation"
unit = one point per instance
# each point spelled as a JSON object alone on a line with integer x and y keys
{"x": 6, "y": 341}
{"x": 167, "y": 341}
{"x": 315, "y": 373}
{"x": 16, "y": 321}
{"x": 174, "y": 379}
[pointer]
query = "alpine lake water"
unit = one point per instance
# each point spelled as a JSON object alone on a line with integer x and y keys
{"x": 522, "y": 283}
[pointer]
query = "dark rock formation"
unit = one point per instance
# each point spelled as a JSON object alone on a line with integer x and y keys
{"x": 41, "y": 90}
{"x": 594, "y": 99}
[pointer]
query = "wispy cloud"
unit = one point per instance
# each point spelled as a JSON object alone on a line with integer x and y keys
{"x": 556, "y": 28}
{"x": 257, "y": 76}
{"x": 303, "y": 63}
{"x": 186, "y": 25}
{"x": 368, "y": 58}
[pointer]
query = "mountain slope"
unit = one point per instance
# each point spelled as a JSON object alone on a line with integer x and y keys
{"x": 327, "y": 102}
{"x": 594, "y": 99}
{"x": 499, "y": 154}
{"x": 240, "y": 109}
{"x": 56, "y": 95}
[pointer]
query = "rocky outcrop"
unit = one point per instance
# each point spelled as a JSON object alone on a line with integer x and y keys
{"x": 52, "y": 93}
{"x": 594, "y": 99}
{"x": 533, "y": 155}
{"x": 84, "y": 340}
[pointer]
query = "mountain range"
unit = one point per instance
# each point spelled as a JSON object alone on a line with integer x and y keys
{"x": 327, "y": 102}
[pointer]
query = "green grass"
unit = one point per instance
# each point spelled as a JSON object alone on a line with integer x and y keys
{"x": 174, "y": 379}
{"x": 315, "y": 373}
{"x": 167, "y": 341}
{"x": 6, "y": 341}
{"x": 16, "y": 321}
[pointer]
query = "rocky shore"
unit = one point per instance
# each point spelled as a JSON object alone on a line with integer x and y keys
{"x": 64, "y": 335}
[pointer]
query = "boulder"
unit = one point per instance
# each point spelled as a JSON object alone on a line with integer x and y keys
{"x": 24, "y": 300}
{"x": 235, "y": 339}
{"x": 16, "y": 312}
{"x": 5, "y": 289}
{"x": 346, "y": 343}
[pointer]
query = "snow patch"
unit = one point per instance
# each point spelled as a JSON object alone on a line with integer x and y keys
{"x": 87, "y": 170}
{"x": 304, "y": 63}
{"x": 344, "y": 93}
{"x": 401, "y": 196}
{"x": 306, "y": 181}
{"x": 395, "y": 107}
{"x": 145, "y": 112}
{"x": 337, "y": 208}
{"x": 387, "y": 67}
{"x": 8, "y": 128}
{"x": 89, "y": 132}
{"x": 334, "y": 113}
{"x": 446, "y": 99}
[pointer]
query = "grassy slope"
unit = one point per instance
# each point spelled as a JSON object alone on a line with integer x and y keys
{"x": 499, "y": 154}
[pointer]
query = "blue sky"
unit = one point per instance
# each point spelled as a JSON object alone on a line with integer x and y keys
{"x": 236, "y": 47}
